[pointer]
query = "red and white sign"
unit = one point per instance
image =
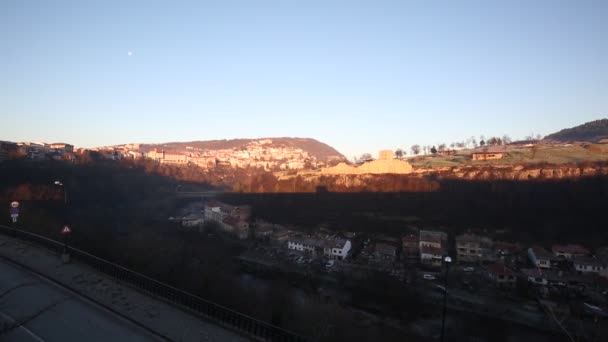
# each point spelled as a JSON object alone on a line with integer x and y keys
{"x": 66, "y": 230}
{"x": 14, "y": 204}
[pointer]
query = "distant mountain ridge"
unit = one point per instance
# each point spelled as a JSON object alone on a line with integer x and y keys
{"x": 592, "y": 131}
{"x": 319, "y": 150}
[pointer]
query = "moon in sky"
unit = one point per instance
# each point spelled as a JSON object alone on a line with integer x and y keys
{"x": 130, "y": 53}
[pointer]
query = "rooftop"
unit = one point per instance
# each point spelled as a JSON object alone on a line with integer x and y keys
{"x": 570, "y": 249}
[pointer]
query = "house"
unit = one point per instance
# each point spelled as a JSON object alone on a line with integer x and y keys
{"x": 447, "y": 152}
{"x": 263, "y": 229}
{"x": 62, "y": 147}
{"x": 279, "y": 236}
{"x": 385, "y": 252}
{"x": 540, "y": 257}
{"x": 501, "y": 275}
{"x": 534, "y": 276}
{"x": 236, "y": 226}
{"x": 174, "y": 158}
{"x": 216, "y": 211}
{"x": 487, "y": 155}
{"x": 411, "y": 249}
{"x": 433, "y": 239}
{"x": 308, "y": 245}
{"x": 166, "y": 157}
{"x": 335, "y": 249}
{"x": 569, "y": 251}
{"x": 468, "y": 248}
{"x": 556, "y": 279}
{"x": 587, "y": 265}
{"x": 193, "y": 220}
{"x": 232, "y": 219}
{"x": 8, "y": 150}
{"x": 431, "y": 256}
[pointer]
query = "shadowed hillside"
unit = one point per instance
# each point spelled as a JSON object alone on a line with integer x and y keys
{"x": 591, "y": 132}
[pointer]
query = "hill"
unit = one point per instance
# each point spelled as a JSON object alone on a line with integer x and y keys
{"x": 315, "y": 148}
{"x": 589, "y": 132}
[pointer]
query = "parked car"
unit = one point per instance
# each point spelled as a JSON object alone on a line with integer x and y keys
{"x": 440, "y": 288}
{"x": 428, "y": 276}
{"x": 329, "y": 264}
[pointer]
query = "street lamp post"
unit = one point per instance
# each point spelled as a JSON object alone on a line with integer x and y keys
{"x": 447, "y": 260}
{"x": 65, "y": 256}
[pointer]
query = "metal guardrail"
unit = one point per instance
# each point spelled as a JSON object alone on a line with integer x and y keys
{"x": 224, "y": 316}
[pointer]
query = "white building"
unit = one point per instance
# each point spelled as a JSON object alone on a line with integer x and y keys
{"x": 431, "y": 256}
{"x": 334, "y": 249}
{"x": 588, "y": 265}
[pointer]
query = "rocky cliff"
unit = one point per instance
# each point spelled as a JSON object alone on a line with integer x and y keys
{"x": 425, "y": 180}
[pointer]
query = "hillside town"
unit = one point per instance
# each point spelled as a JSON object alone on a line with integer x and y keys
{"x": 257, "y": 154}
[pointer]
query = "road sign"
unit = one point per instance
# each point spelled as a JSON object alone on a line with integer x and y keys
{"x": 66, "y": 230}
{"x": 14, "y": 211}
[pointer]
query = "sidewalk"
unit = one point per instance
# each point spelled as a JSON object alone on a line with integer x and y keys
{"x": 164, "y": 319}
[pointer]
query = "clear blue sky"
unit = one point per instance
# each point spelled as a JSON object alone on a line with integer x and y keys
{"x": 358, "y": 75}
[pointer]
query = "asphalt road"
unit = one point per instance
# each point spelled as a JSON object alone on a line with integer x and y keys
{"x": 34, "y": 309}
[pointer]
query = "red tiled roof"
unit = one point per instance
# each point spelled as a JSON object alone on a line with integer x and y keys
{"x": 571, "y": 249}
{"x": 500, "y": 269}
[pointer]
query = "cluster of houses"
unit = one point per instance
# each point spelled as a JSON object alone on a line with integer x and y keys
{"x": 257, "y": 154}
{"x": 503, "y": 263}
{"x": 231, "y": 219}
{"x": 36, "y": 151}
{"x": 563, "y": 265}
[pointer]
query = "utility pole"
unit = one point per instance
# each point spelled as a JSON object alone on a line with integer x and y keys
{"x": 66, "y": 230}
{"x": 447, "y": 261}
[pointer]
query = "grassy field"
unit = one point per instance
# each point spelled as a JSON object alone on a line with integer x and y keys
{"x": 552, "y": 154}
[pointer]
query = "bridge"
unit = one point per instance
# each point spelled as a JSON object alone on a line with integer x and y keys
{"x": 125, "y": 302}
{"x": 202, "y": 194}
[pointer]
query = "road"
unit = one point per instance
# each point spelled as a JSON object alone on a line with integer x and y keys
{"x": 35, "y": 309}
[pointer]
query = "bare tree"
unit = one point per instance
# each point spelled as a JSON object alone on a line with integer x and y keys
{"x": 415, "y": 149}
{"x": 433, "y": 150}
{"x": 365, "y": 157}
{"x": 399, "y": 153}
{"x": 506, "y": 139}
{"x": 441, "y": 147}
